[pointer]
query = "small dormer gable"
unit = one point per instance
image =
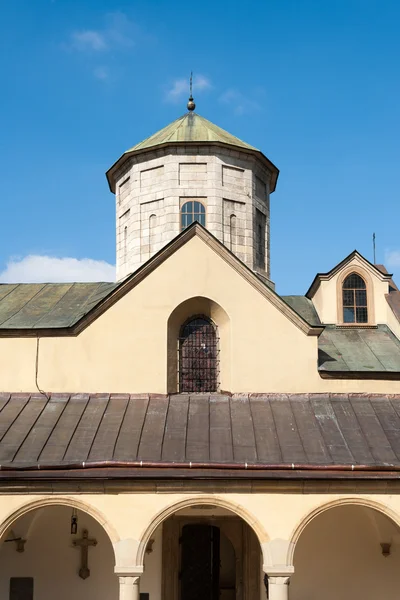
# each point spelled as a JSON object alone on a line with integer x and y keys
{"x": 353, "y": 294}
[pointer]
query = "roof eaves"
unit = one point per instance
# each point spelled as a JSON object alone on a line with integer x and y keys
{"x": 369, "y": 375}
{"x": 133, "y": 152}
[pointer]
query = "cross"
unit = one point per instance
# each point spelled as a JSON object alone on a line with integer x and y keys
{"x": 84, "y": 544}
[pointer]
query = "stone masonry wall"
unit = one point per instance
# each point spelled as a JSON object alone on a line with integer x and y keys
{"x": 152, "y": 187}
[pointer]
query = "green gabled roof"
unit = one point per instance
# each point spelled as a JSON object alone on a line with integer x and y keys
{"x": 48, "y": 305}
{"x": 304, "y": 307}
{"x": 191, "y": 127}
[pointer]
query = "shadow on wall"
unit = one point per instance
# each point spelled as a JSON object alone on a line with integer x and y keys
{"x": 51, "y": 564}
{"x": 198, "y": 305}
{"x": 340, "y": 555}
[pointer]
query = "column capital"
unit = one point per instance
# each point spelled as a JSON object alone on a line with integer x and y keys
{"x": 278, "y": 570}
{"x": 131, "y": 571}
{"x": 279, "y": 580}
{"x": 130, "y": 580}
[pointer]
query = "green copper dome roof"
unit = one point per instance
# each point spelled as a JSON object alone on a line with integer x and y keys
{"x": 191, "y": 127}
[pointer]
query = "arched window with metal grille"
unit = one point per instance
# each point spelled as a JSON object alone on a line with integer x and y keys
{"x": 192, "y": 211}
{"x": 354, "y": 296}
{"x": 198, "y": 356}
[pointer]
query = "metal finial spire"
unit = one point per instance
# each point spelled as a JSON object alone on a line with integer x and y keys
{"x": 374, "y": 247}
{"x": 191, "y": 105}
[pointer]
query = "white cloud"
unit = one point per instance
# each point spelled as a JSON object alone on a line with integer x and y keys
{"x": 88, "y": 40}
{"x": 179, "y": 88}
{"x": 201, "y": 83}
{"x": 50, "y": 269}
{"x": 101, "y": 73}
{"x": 392, "y": 259}
{"x": 119, "y": 32}
{"x": 239, "y": 103}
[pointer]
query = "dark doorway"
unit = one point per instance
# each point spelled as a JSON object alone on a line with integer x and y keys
{"x": 200, "y": 562}
{"x": 198, "y": 356}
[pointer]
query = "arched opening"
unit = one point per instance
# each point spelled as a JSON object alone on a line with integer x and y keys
{"x": 198, "y": 358}
{"x": 57, "y": 551}
{"x": 351, "y": 552}
{"x": 232, "y": 232}
{"x": 192, "y": 211}
{"x": 191, "y": 321}
{"x": 354, "y": 299}
{"x": 203, "y": 552}
{"x": 152, "y": 233}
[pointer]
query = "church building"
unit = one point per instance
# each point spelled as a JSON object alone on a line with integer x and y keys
{"x": 186, "y": 433}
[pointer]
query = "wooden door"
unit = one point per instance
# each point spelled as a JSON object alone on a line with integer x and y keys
{"x": 200, "y": 562}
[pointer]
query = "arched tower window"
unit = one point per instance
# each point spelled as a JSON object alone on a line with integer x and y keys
{"x": 125, "y": 241}
{"x": 354, "y": 295}
{"x": 192, "y": 211}
{"x": 198, "y": 356}
{"x": 152, "y": 236}
{"x": 232, "y": 233}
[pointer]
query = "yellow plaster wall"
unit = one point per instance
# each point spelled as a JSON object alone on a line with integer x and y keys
{"x": 150, "y": 581}
{"x": 125, "y": 349}
{"x": 17, "y": 364}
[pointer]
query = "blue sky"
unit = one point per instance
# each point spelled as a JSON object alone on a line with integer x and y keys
{"x": 314, "y": 84}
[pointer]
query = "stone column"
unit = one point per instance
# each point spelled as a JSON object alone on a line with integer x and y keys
{"x": 278, "y": 588}
{"x": 129, "y": 584}
{"x": 278, "y": 582}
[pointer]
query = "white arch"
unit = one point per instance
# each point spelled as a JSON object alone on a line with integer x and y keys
{"x": 210, "y": 500}
{"x": 30, "y": 506}
{"x": 351, "y": 501}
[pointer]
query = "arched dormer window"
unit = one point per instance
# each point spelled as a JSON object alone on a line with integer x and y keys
{"x": 192, "y": 211}
{"x": 198, "y": 356}
{"x": 354, "y": 299}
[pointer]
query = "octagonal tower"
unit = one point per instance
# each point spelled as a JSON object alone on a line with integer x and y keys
{"x": 192, "y": 170}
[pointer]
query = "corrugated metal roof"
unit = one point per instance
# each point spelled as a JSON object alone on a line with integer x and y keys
{"x": 48, "y": 305}
{"x": 364, "y": 350}
{"x": 191, "y": 127}
{"x": 262, "y": 429}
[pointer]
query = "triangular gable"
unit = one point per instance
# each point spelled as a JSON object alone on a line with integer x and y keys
{"x": 355, "y": 254}
{"x": 153, "y": 263}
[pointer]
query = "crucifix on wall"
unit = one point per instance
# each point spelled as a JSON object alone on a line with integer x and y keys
{"x": 84, "y": 544}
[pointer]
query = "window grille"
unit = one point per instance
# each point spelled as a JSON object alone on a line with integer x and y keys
{"x": 354, "y": 291}
{"x": 192, "y": 211}
{"x": 198, "y": 356}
